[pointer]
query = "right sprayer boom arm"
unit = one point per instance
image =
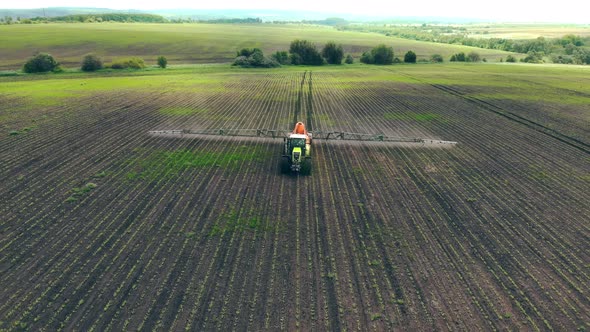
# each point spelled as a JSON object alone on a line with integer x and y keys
{"x": 346, "y": 136}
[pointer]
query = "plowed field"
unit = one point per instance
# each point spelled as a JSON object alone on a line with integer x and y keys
{"x": 104, "y": 227}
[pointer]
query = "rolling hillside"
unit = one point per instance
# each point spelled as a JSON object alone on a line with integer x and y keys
{"x": 190, "y": 43}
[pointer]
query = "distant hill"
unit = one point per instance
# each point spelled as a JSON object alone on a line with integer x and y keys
{"x": 224, "y": 14}
{"x": 61, "y": 11}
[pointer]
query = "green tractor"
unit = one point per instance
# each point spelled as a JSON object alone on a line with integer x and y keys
{"x": 297, "y": 151}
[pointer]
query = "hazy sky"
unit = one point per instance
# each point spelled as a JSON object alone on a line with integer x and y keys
{"x": 574, "y": 11}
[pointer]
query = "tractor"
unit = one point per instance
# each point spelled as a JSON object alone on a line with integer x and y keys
{"x": 297, "y": 151}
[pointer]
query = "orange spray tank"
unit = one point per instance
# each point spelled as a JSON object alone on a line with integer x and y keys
{"x": 300, "y": 129}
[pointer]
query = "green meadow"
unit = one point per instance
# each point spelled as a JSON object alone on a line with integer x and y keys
{"x": 491, "y": 81}
{"x": 192, "y": 43}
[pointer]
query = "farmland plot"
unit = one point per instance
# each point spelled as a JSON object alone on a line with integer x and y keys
{"x": 105, "y": 227}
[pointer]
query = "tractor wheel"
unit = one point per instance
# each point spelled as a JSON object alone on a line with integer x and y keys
{"x": 306, "y": 167}
{"x": 285, "y": 167}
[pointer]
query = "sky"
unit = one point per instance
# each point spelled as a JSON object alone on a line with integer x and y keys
{"x": 571, "y": 11}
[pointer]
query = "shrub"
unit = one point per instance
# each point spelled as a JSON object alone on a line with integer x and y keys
{"x": 473, "y": 56}
{"x": 267, "y": 62}
{"x": 349, "y": 59}
{"x": 241, "y": 61}
{"x": 367, "y": 58}
{"x": 562, "y": 59}
{"x": 436, "y": 58}
{"x": 458, "y": 57}
{"x": 333, "y": 53}
{"x": 40, "y": 63}
{"x": 255, "y": 59}
{"x": 307, "y": 52}
{"x": 248, "y": 51}
{"x": 162, "y": 61}
{"x": 91, "y": 62}
{"x": 533, "y": 57}
{"x": 510, "y": 58}
{"x": 281, "y": 57}
{"x": 295, "y": 59}
{"x": 133, "y": 63}
{"x": 410, "y": 57}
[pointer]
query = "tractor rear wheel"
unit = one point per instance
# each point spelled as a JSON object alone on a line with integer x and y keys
{"x": 306, "y": 166}
{"x": 285, "y": 166}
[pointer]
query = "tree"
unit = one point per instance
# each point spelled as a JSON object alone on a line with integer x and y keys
{"x": 571, "y": 39}
{"x": 458, "y": 57}
{"x": 367, "y": 58}
{"x": 349, "y": 59}
{"x": 248, "y": 51}
{"x": 281, "y": 57}
{"x": 436, "y": 58}
{"x": 382, "y": 55}
{"x": 473, "y": 56}
{"x": 162, "y": 61}
{"x": 40, "y": 63}
{"x": 257, "y": 58}
{"x": 91, "y": 62}
{"x": 569, "y": 49}
{"x": 296, "y": 59}
{"x": 333, "y": 53}
{"x": 307, "y": 52}
{"x": 410, "y": 57}
{"x": 533, "y": 57}
{"x": 582, "y": 57}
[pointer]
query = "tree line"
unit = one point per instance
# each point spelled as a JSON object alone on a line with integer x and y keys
{"x": 123, "y": 18}
{"x": 44, "y": 62}
{"x": 304, "y": 52}
{"x": 301, "y": 52}
{"x": 90, "y": 18}
{"x": 567, "y": 49}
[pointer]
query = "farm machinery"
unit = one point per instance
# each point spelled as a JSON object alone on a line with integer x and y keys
{"x": 296, "y": 152}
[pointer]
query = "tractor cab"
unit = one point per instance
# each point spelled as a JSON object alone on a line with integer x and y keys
{"x": 296, "y": 140}
{"x": 296, "y": 153}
